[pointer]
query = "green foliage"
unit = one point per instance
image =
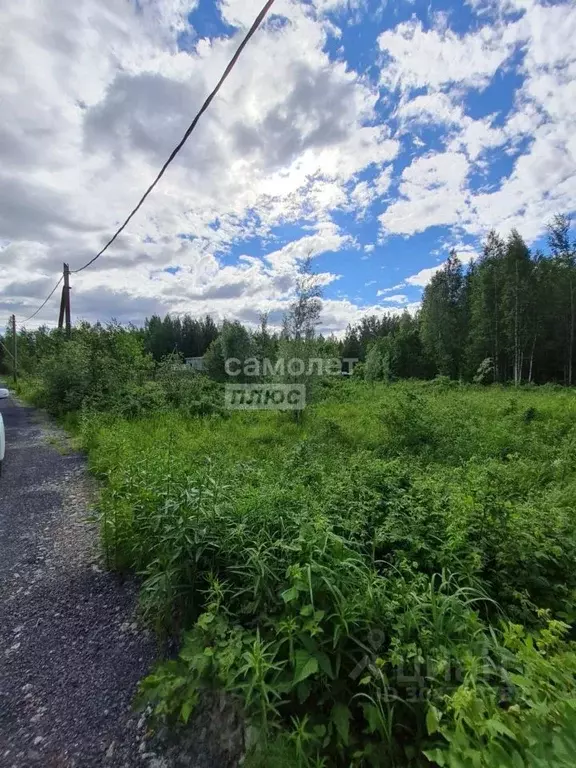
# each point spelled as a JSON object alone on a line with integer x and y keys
{"x": 185, "y": 335}
{"x": 304, "y": 313}
{"x": 98, "y": 368}
{"x": 514, "y": 707}
{"x": 134, "y": 400}
{"x": 377, "y": 366}
{"x": 511, "y": 306}
{"x": 192, "y": 393}
{"x": 351, "y": 581}
{"x": 408, "y": 420}
{"x": 444, "y": 318}
{"x": 66, "y": 377}
{"x": 484, "y": 372}
{"x": 233, "y": 343}
{"x": 386, "y": 582}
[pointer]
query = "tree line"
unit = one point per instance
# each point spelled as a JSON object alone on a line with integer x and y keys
{"x": 185, "y": 335}
{"x": 509, "y": 316}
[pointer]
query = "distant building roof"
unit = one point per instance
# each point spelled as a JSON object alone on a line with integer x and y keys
{"x": 197, "y": 363}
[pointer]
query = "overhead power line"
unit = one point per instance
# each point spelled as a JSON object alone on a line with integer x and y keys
{"x": 257, "y": 22}
{"x": 191, "y": 127}
{"x": 46, "y": 300}
{"x": 6, "y": 349}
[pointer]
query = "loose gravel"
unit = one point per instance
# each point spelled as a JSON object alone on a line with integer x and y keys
{"x": 71, "y": 652}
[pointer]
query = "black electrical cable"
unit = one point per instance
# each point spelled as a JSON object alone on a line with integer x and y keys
{"x": 46, "y": 300}
{"x": 176, "y": 150}
{"x": 191, "y": 127}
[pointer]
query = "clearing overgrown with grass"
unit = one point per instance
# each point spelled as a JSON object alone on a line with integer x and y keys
{"x": 389, "y": 578}
{"x": 389, "y": 582}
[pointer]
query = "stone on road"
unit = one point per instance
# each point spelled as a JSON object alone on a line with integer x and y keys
{"x": 70, "y": 652}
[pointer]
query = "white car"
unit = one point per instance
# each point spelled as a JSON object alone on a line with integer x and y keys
{"x": 3, "y": 394}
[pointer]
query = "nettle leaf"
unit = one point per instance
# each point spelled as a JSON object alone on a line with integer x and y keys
{"x": 435, "y": 756}
{"x": 308, "y": 642}
{"x": 517, "y": 761}
{"x": 372, "y": 717}
{"x": 304, "y": 665}
{"x": 205, "y": 619}
{"x": 498, "y": 727}
{"x": 325, "y": 665}
{"x": 432, "y": 719}
{"x": 290, "y": 594}
{"x": 187, "y": 708}
{"x": 341, "y": 717}
{"x": 303, "y": 691}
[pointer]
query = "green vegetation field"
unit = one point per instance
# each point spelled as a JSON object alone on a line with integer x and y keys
{"x": 390, "y": 582}
{"x": 386, "y": 580}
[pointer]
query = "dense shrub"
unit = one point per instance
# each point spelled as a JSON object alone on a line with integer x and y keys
{"x": 66, "y": 378}
{"x": 192, "y": 393}
{"x": 134, "y": 400}
{"x": 389, "y": 582}
{"x": 95, "y": 369}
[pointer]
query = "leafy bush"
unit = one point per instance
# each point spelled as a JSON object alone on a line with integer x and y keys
{"x": 192, "y": 393}
{"x": 66, "y": 378}
{"x": 91, "y": 369}
{"x": 388, "y": 582}
{"x": 514, "y": 707}
{"x": 485, "y": 371}
{"x": 443, "y": 382}
{"x": 310, "y": 570}
{"x": 136, "y": 400}
{"x": 409, "y": 422}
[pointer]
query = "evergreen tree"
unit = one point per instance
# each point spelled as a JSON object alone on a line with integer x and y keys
{"x": 265, "y": 343}
{"x": 485, "y": 308}
{"x": 352, "y": 348}
{"x": 407, "y": 355}
{"x": 234, "y": 343}
{"x": 209, "y": 333}
{"x": 442, "y": 318}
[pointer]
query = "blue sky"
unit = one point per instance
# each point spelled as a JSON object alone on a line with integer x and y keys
{"x": 373, "y": 136}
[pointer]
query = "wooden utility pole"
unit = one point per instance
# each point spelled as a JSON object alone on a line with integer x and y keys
{"x": 14, "y": 350}
{"x": 65, "y": 302}
{"x": 67, "y": 289}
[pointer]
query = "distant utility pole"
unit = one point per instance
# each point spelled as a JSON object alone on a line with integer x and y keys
{"x": 65, "y": 302}
{"x": 14, "y": 350}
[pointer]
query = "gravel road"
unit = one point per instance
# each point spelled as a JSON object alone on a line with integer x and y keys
{"x": 70, "y": 652}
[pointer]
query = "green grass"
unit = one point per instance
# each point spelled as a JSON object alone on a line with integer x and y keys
{"x": 390, "y": 582}
{"x": 28, "y": 388}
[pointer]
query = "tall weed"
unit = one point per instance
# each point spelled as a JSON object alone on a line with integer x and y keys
{"x": 389, "y": 582}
